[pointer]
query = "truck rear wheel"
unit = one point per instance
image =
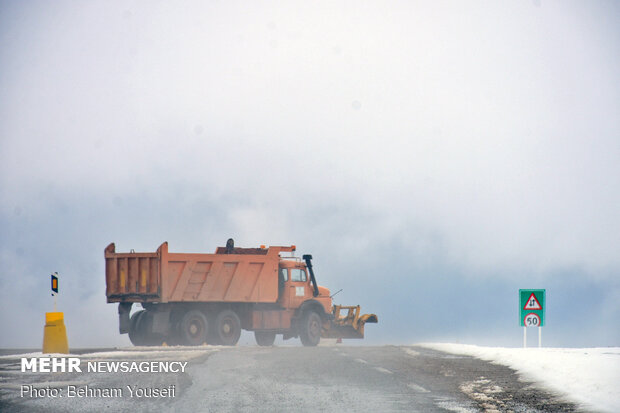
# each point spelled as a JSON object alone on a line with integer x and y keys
{"x": 310, "y": 329}
{"x": 227, "y": 328}
{"x": 265, "y": 338}
{"x": 140, "y": 332}
{"x": 137, "y": 333}
{"x": 193, "y": 328}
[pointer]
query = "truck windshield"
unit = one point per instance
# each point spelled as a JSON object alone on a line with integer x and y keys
{"x": 298, "y": 275}
{"x": 283, "y": 274}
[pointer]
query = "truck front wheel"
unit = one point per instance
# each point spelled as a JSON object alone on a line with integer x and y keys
{"x": 310, "y": 329}
{"x": 193, "y": 328}
{"x": 265, "y": 338}
{"x": 227, "y": 328}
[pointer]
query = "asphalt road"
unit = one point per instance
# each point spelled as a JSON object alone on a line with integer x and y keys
{"x": 286, "y": 379}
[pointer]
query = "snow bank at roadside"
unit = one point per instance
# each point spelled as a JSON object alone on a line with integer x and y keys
{"x": 587, "y": 376}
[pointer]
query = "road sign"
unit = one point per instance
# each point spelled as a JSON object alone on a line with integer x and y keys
{"x": 55, "y": 282}
{"x": 532, "y": 320}
{"x": 532, "y": 303}
{"x": 532, "y": 308}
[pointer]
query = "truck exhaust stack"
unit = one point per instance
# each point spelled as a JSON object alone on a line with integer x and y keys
{"x": 308, "y": 259}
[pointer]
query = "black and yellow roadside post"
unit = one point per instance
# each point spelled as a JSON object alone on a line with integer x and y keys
{"x": 54, "y": 333}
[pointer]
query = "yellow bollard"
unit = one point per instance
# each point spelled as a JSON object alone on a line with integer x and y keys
{"x": 55, "y": 334}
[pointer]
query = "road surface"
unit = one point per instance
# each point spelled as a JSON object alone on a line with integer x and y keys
{"x": 284, "y": 379}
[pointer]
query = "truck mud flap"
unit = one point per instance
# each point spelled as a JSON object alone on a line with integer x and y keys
{"x": 123, "y": 317}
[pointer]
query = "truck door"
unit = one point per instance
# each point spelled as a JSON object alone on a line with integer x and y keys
{"x": 297, "y": 287}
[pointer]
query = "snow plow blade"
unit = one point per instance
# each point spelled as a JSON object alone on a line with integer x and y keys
{"x": 349, "y": 325}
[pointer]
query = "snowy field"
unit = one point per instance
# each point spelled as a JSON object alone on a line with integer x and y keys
{"x": 587, "y": 376}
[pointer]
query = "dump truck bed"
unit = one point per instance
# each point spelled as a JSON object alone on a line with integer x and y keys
{"x": 237, "y": 275}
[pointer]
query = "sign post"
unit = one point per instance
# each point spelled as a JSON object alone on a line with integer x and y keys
{"x": 532, "y": 306}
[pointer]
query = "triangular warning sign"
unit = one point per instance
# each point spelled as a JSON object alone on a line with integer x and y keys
{"x": 532, "y": 303}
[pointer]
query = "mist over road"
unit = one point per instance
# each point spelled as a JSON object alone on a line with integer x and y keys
{"x": 330, "y": 378}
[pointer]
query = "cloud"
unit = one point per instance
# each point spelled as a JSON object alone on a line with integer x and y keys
{"x": 477, "y": 139}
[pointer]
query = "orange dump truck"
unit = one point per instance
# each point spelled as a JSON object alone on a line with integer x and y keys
{"x": 193, "y": 299}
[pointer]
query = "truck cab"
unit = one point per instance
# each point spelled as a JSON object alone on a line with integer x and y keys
{"x": 295, "y": 287}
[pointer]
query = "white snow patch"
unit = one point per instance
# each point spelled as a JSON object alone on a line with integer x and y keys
{"x": 417, "y": 388}
{"x": 383, "y": 370}
{"x": 454, "y": 406}
{"x": 482, "y": 390}
{"x": 410, "y": 351}
{"x": 587, "y": 376}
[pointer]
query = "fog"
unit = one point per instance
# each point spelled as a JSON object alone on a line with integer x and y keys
{"x": 434, "y": 157}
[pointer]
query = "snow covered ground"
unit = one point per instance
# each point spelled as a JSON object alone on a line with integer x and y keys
{"x": 587, "y": 376}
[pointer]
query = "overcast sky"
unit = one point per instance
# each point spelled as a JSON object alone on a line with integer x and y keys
{"x": 434, "y": 157}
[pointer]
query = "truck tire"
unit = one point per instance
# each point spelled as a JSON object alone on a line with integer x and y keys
{"x": 140, "y": 333}
{"x": 227, "y": 328}
{"x": 137, "y": 333}
{"x": 193, "y": 328}
{"x": 310, "y": 329}
{"x": 265, "y": 338}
